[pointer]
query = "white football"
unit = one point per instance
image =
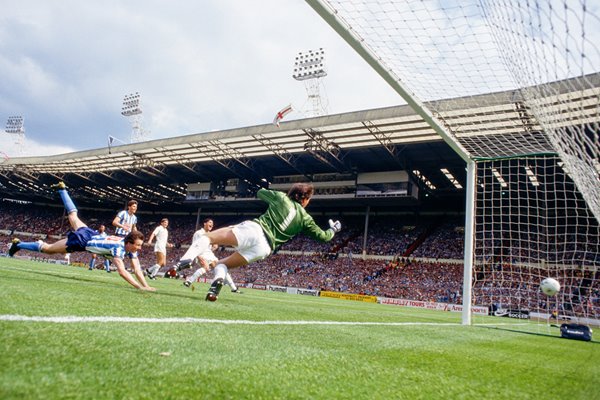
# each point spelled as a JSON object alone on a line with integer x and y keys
{"x": 550, "y": 286}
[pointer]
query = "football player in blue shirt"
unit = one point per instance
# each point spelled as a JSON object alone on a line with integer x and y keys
{"x": 82, "y": 238}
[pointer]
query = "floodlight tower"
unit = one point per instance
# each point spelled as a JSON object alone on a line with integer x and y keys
{"x": 15, "y": 127}
{"x": 310, "y": 68}
{"x": 132, "y": 109}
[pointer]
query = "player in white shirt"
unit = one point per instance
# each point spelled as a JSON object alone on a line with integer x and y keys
{"x": 207, "y": 258}
{"x": 160, "y": 247}
{"x": 82, "y": 238}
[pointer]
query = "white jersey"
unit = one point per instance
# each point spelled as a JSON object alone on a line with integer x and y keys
{"x": 207, "y": 254}
{"x": 198, "y": 234}
{"x": 161, "y": 234}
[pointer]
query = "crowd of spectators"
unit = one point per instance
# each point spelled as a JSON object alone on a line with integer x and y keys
{"x": 402, "y": 278}
{"x": 389, "y": 270}
{"x": 451, "y": 234}
{"x": 516, "y": 287}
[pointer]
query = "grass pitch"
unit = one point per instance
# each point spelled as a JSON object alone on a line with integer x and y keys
{"x": 66, "y": 332}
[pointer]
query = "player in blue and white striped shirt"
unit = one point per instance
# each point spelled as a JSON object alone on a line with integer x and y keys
{"x": 101, "y": 231}
{"x": 82, "y": 238}
{"x": 126, "y": 220}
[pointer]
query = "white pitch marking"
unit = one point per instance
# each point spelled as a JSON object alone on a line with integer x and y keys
{"x": 75, "y": 319}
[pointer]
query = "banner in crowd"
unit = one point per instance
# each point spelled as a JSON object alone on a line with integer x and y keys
{"x": 293, "y": 290}
{"x": 432, "y": 305}
{"x": 349, "y": 296}
{"x": 509, "y": 313}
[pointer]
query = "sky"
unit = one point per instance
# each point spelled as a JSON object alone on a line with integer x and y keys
{"x": 199, "y": 66}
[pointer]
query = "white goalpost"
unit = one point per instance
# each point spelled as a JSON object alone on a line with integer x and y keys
{"x": 514, "y": 88}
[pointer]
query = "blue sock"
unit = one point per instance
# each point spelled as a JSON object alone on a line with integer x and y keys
{"x": 107, "y": 265}
{"x": 92, "y": 263}
{"x": 66, "y": 199}
{"x": 31, "y": 246}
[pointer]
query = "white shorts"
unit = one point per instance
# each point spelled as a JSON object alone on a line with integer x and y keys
{"x": 208, "y": 256}
{"x": 160, "y": 249}
{"x": 252, "y": 243}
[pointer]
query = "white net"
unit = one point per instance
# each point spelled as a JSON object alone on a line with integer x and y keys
{"x": 515, "y": 86}
{"x": 539, "y": 58}
{"x": 532, "y": 224}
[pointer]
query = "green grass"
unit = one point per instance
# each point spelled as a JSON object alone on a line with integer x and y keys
{"x": 432, "y": 356}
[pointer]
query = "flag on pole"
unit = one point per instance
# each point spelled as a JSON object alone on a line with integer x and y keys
{"x": 110, "y": 142}
{"x": 282, "y": 113}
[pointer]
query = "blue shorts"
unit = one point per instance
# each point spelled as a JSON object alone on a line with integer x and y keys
{"x": 77, "y": 240}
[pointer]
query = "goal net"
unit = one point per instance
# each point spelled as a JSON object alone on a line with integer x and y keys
{"x": 514, "y": 88}
{"x": 531, "y": 223}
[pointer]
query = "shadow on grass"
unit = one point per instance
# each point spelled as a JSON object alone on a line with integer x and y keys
{"x": 59, "y": 276}
{"x": 532, "y": 333}
{"x": 78, "y": 278}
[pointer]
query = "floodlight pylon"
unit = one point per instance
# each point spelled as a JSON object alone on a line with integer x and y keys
{"x": 132, "y": 109}
{"x": 16, "y": 128}
{"x": 309, "y": 67}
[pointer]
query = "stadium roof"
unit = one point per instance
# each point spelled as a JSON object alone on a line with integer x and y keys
{"x": 387, "y": 139}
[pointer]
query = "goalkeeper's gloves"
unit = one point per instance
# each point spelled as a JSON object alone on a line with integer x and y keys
{"x": 335, "y": 226}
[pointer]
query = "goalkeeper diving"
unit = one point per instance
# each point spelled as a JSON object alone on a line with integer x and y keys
{"x": 256, "y": 239}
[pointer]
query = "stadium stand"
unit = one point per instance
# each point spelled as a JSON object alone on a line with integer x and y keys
{"x": 339, "y": 266}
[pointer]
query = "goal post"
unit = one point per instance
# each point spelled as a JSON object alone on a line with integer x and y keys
{"x": 469, "y": 242}
{"x": 354, "y": 40}
{"x": 514, "y": 88}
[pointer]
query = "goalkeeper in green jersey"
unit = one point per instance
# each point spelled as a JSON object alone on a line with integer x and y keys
{"x": 256, "y": 239}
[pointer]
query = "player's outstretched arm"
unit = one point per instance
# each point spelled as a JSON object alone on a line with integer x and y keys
{"x": 126, "y": 275}
{"x": 311, "y": 229}
{"x": 140, "y": 275}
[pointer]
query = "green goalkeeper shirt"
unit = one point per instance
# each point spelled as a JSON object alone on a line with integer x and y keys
{"x": 286, "y": 218}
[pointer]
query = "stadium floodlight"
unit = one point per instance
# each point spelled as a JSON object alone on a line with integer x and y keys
{"x": 310, "y": 65}
{"x": 309, "y": 68}
{"x": 16, "y": 128}
{"x": 131, "y": 105}
{"x": 132, "y": 109}
{"x": 15, "y": 125}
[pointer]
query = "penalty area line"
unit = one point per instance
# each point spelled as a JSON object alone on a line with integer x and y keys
{"x": 71, "y": 319}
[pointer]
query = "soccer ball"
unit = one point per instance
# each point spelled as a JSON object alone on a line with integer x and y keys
{"x": 550, "y": 286}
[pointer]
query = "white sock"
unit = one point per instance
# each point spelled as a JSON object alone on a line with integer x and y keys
{"x": 229, "y": 281}
{"x": 197, "y": 274}
{"x": 197, "y": 248}
{"x": 220, "y": 272}
{"x": 154, "y": 269}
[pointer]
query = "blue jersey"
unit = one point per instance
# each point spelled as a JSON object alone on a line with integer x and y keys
{"x": 108, "y": 246}
{"x": 125, "y": 218}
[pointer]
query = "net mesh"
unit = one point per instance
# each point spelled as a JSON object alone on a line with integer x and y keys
{"x": 517, "y": 85}
{"x": 533, "y": 223}
{"x": 541, "y": 59}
